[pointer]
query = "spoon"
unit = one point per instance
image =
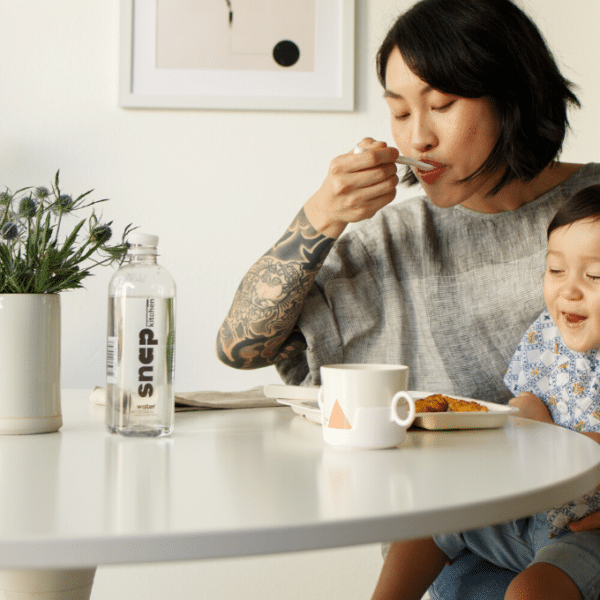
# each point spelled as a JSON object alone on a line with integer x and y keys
{"x": 403, "y": 160}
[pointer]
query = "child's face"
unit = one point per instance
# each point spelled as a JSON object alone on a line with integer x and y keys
{"x": 572, "y": 283}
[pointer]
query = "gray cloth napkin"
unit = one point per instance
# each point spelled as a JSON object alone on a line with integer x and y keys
{"x": 252, "y": 398}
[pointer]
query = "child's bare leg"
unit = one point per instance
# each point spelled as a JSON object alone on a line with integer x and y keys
{"x": 409, "y": 569}
{"x": 542, "y": 581}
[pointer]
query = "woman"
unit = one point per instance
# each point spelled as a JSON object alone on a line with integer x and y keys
{"x": 429, "y": 282}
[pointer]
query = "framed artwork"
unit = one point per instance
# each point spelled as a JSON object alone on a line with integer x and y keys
{"x": 237, "y": 54}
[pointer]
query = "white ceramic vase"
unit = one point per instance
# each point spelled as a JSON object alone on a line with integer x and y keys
{"x": 29, "y": 363}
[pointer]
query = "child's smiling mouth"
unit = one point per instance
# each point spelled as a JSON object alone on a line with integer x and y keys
{"x": 573, "y": 319}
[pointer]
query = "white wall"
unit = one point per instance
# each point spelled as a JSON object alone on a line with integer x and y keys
{"x": 219, "y": 188}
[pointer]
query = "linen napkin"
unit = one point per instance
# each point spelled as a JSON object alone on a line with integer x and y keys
{"x": 252, "y": 398}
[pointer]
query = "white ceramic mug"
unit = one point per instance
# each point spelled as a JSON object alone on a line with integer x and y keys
{"x": 360, "y": 403}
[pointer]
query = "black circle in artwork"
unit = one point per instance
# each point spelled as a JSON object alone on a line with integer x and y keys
{"x": 286, "y": 53}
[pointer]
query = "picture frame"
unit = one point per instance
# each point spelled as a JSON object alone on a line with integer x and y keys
{"x": 237, "y": 54}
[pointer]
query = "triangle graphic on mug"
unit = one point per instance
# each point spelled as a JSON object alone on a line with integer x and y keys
{"x": 338, "y": 420}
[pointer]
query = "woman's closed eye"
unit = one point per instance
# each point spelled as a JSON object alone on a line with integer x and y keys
{"x": 593, "y": 277}
{"x": 444, "y": 107}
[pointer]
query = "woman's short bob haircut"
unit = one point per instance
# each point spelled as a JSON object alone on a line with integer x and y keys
{"x": 585, "y": 204}
{"x": 489, "y": 48}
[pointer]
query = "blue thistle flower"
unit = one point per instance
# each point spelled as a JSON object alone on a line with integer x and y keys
{"x": 64, "y": 203}
{"x": 101, "y": 234}
{"x": 9, "y": 230}
{"x": 27, "y": 207}
{"x": 42, "y": 192}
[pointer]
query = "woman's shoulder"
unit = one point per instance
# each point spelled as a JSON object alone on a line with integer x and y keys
{"x": 586, "y": 174}
{"x": 581, "y": 176}
{"x": 575, "y": 178}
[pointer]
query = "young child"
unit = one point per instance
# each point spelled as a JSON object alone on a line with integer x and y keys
{"x": 555, "y": 376}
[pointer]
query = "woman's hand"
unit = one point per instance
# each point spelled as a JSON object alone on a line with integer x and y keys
{"x": 531, "y": 407}
{"x": 356, "y": 187}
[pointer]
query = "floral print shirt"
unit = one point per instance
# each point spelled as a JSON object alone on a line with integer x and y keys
{"x": 568, "y": 382}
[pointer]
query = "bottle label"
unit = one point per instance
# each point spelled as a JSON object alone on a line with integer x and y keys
{"x": 140, "y": 351}
{"x": 111, "y": 360}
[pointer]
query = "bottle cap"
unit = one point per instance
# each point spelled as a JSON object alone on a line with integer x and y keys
{"x": 142, "y": 243}
{"x": 142, "y": 239}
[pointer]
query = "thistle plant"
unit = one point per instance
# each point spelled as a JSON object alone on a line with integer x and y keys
{"x": 37, "y": 256}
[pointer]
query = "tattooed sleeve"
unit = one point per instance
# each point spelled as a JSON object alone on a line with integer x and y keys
{"x": 260, "y": 327}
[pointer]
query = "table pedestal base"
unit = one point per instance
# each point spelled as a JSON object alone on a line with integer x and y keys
{"x": 51, "y": 584}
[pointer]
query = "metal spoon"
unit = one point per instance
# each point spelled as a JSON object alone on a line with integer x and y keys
{"x": 403, "y": 160}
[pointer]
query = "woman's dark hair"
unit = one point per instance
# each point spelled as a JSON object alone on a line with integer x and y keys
{"x": 489, "y": 48}
{"x": 585, "y": 204}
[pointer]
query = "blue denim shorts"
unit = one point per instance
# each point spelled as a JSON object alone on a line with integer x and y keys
{"x": 517, "y": 544}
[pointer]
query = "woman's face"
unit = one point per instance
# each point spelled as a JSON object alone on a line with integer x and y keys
{"x": 454, "y": 134}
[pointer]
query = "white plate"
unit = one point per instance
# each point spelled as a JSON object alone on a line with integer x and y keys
{"x": 496, "y": 416}
{"x": 306, "y": 408}
{"x": 291, "y": 392}
{"x": 301, "y": 402}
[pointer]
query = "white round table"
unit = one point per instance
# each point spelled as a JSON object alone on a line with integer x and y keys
{"x": 257, "y": 481}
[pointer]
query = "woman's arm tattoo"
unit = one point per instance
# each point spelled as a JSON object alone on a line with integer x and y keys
{"x": 260, "y": 327}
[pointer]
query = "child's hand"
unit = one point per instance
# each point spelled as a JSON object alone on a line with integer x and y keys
{"x": 531, "y": 407}
{"x": 589, "y": 523}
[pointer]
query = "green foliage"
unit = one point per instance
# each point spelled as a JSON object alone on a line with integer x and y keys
{"x": 36, "y": 257}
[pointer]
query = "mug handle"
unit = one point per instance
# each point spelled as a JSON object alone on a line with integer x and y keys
{"x": 411, "y": 409}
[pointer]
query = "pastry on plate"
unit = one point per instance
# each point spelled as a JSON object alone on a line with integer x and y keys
{"x": 441, "y": 403}
{"x": 433, "y": 403}
{"x": 455, "y": 405}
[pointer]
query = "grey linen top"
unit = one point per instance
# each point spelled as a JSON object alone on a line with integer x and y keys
{"x": 447, "y": 291}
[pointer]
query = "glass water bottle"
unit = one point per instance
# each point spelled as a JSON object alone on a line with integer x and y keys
{"x": 140, "y": 360}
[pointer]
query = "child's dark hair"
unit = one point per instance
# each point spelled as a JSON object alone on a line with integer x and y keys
{"x": 489, "y": 48}
{"x": 585, "y": 204}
